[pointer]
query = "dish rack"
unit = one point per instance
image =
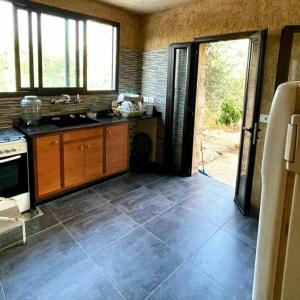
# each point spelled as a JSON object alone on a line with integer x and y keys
{"x": 125, "y": 113}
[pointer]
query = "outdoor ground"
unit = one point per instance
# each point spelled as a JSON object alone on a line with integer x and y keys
{"x": 220, "y": 154}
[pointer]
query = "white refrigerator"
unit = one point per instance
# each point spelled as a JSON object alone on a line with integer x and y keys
{"x": 277, "y": 266}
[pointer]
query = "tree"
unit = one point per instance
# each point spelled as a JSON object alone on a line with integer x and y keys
{"x": 225, "y": 72}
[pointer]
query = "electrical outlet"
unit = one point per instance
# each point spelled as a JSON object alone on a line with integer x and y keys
{"x": 151, "y": 99}
{"x": 264, "y": 118}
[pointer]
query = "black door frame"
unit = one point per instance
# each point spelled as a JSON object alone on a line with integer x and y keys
{"x": 245, "y": 209}
{"x": 235, "y": 36}
{"x": 189, "y": 109}
{"x": 285, "y": 51}
{"x": 189, "y": 114}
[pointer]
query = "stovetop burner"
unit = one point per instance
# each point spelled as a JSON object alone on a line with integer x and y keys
{"x": 10, "y": 135}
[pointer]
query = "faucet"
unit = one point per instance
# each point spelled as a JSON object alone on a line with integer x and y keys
{"x": 77, "y": 99}
{"x": 65, "y": 99}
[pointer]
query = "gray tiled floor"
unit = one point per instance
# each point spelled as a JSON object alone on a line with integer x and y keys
{"x": 1, "y": 293}
{"x": 134, "y": 237}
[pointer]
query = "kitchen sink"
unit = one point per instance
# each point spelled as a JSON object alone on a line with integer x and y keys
{"x": 71, "y": 120}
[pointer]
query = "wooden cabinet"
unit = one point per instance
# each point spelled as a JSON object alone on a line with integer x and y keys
{"x": 73, "y": 160}
{"x": 116, "y": 149}
{"x": 68, "y": 159}
{"x": 47, "y": 164}
{"x": 82, "y": 156}
{"x": 93, "y": 160}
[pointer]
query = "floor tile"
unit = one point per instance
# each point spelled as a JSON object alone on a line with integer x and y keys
{"x": 1, "y": 293}
{"x": 182, "y": 230}
{"x": 71, "y": 205}
{"x": 199, "y": 178}
{"x": 144, "y": 178}
{"x": 173, "y": 188}
{"x": 52, "y": 266}
{"x": 137, "y": 263}
{"x": 229, "y": 261}
{"x": 244, "y": 228}
{"x": 99, "y": 227}
{"x": 115, "y": 188}
{"x": 33, "y": 226}
{"x": 210, "y": 207}
{"x": 142, "y": 204}
{"x": 189, "y": 283}
{"x": 220, "y": 189}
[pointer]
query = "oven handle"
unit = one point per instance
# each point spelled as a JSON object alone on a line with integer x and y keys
{"x": 2, "y": 161}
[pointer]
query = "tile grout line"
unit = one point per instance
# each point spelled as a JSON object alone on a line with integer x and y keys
{"x": 170, "y": 275}
{"x": 110, "y": 201}
{"x": 2, "y": 289}
{"x": 92, "y": 260}
{"x": 28, "y": 236}
{"x": 235, "y": 235}
{"x": 189, "y": 260}
{"x": 89, "y": 256}
{"x": 83, "y": 212}
{"x": 212, "y": 278}
{"x": 119, "y": 238}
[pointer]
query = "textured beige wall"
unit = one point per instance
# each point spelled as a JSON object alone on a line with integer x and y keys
{"x": 213, "y": 17}
{"x": 130, "y": 37}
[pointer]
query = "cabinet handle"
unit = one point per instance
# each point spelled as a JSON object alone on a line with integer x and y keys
{"x": 54, "y": 142}
{"x": 81, "y": 147}
{"x": 88, "y": 146}
{"x": 108, "y": 131}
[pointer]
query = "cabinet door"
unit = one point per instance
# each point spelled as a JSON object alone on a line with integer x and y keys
{"x": 116, "y": 148}
{"x": 47, "y": 165}
{"x": 73, "y": 154}
{"x": 93, "y": 158}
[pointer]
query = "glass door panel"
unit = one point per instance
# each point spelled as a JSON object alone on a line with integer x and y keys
{"x": 250, "y": 122}
{"x": 177, "y": 108}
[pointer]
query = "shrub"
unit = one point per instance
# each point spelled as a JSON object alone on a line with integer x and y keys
{"x": 229, "y": 113}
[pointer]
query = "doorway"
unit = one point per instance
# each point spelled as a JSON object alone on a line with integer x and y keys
{"x": 222, "y": 70}
{"x": 183, "y": 112}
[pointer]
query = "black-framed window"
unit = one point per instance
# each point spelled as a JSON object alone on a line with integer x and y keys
{"x": 46, "y": 50}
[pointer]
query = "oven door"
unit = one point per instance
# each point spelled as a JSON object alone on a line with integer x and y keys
{"x": 13, "y": 175}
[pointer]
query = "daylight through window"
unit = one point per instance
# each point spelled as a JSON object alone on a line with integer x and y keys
{"x": 44, "y": 49}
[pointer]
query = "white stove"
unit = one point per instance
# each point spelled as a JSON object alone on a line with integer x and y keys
{"x": 14, "y": 182}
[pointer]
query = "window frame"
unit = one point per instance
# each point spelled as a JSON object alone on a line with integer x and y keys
{"x": 40, "y": 9}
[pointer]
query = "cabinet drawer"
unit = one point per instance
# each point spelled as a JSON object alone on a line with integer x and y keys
{"x": 81, "y": 134}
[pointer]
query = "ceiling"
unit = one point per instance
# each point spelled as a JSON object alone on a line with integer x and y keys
{"x": 145, "y": 6}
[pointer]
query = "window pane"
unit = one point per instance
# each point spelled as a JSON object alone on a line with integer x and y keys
{"x": 81, "y": 53}
{"x": 100, "y": 56}
{"x": 7, "y": 52}
{"x": 23, "y": 47}
{"x": 71, "y": 49}
{"x": 58, "y": 51}
{"x": 35, "y": 49}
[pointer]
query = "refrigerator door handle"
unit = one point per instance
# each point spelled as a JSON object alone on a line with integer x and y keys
{"x": 292, "y": 147}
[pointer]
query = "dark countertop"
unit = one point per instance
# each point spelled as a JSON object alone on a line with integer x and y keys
{"x": 47, "y": 127}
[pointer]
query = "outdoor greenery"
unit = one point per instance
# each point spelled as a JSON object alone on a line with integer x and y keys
{"x": 225, "y": 70}
{"x": 229, "y": 113}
